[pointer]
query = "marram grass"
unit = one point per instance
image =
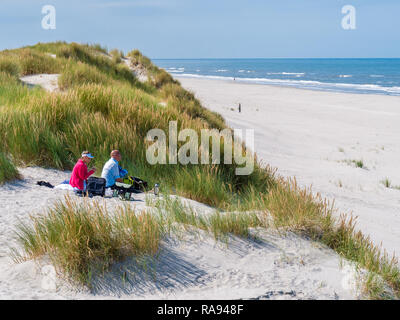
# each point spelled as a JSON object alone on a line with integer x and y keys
{"x": 83, "y": 239}
{"x": 8, "y": 171}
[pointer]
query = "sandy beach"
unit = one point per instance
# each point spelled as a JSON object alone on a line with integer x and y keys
{"x": 322, "y": 138}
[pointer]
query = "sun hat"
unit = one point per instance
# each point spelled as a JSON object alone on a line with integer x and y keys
{"x": 87, "y": 154}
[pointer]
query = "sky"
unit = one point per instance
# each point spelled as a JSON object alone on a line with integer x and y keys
{"x": 211, "y": 28}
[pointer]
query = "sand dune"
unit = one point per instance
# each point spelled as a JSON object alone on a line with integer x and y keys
{"x": 197, "y": 267}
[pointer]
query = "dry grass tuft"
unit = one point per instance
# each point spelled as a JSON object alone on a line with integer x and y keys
{"x": 82, "y": 239}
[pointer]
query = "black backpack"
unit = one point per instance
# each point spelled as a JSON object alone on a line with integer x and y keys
{"x": 96, "y": 186}
{"x": 138, "y": 184}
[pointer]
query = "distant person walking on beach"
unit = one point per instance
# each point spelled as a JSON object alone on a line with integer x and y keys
{"x": 240, "y": 108}
{"x": 80, "y": 172}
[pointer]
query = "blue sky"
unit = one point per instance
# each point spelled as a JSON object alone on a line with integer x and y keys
{"x": 211, "y": 28}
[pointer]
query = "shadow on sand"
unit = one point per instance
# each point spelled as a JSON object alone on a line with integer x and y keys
{"x": 170, "y": 270}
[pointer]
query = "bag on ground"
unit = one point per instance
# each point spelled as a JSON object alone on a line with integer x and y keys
{"x": 96, "y": 186}
{"x": 137, "y": 183}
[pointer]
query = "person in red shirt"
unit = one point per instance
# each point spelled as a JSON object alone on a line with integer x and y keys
{"x": 80, "y": 172}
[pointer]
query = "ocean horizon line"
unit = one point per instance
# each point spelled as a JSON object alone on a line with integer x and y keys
{"x": 365, "y": 75}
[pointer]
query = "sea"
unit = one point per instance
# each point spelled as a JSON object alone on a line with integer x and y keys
{"x": 368, "y": 76}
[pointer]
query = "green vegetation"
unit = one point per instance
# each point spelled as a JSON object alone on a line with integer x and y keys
{"x": 359, "y": 164}
{"x": 7, "y": 169}
{"x": 388, "y": 184}
{"x": 83, "y": 240}
{"x": 83, "y": 74}
{"x": 219, "y": 224}
{"x": 356, "y": 163}
{"x": 28, "y": 61}
{"x": 9, "y": 66}
{"x": 102, "y": 107}
{"x": 117, "y": 55}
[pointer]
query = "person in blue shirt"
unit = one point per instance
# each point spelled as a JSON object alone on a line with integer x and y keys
{"x": 112, "y": 171}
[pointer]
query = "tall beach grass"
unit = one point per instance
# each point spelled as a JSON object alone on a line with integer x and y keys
{"x": 8, "y": 171}
{"x": 83, "y": 240}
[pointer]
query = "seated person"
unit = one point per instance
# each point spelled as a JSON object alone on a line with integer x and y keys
{"x": 80, "y": 172}
{"x": 112, "y": 172}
